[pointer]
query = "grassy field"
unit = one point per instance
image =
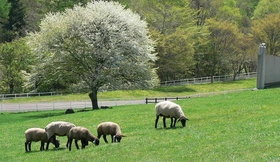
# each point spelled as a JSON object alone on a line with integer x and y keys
{"x": 241, "y": 126}
{"x": 173, "y": 91}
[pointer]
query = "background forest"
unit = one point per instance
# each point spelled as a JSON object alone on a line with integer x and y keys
{"x": 194, "y": 38}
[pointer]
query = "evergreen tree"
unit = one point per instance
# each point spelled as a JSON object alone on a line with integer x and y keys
{"x": 13, "y": 28}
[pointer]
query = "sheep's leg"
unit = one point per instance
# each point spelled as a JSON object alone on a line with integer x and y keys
{"x": 156, "y": 121}
{"x": 42, "y": 146}
{"x": 83, "y": 144}
{"x": 70, "y": 143}
{"x": 164, "y": 122}
{"x": 86, "y": 142}
{"x": 76, "y": 143}
{"x": 105, "y": 139}
{"x": 29, "y": 146}
{"x": 175, "y": 119}
{"x": 26, "y": 145}
{"x": 113, "y": 138}
{"x": 171, "y": 125}
{"x": 48, "y": 142}
{"x": 47, "y": 147}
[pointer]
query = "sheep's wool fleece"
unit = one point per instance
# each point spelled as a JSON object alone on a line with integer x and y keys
{"x": 108, "y": 128}
{"x": 60, "y": 128}
{"x": 169, "y": 109}
{"x": 36, "y": 134}
{"x": 79, "y": 133}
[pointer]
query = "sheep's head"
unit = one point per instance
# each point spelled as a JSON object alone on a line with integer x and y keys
{"x": 118, "y": 138}
{"x": 57, "y": 143}
{"x": 96, "y": 142}
{"x": 183, "y": 120}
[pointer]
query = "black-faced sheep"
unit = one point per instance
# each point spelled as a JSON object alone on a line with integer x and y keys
{"x": 83, "y": 134}
{"x": 37, "y": 134}
{"x": 59, "y": 128}
{"x": 169, "y": 109}
{"x": 110, "y": 128}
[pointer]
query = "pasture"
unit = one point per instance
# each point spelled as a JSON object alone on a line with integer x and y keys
{"x": 242, "y": 126}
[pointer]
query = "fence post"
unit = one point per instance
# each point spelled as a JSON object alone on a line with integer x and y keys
{"x": 261, "y": 66}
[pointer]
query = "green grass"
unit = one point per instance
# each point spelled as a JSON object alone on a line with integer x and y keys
{"x": 241, "y": 126}
{"x": 172, "y": 91}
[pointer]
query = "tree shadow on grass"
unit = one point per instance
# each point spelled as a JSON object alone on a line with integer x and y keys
{"x": 175, "y": 89}
{"x": 273, "y": 85}
{"x": 45, "y": 115}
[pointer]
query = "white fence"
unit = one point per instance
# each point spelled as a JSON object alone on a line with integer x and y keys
{"x": 208, "y": 79}
{"x": 19, "y": 95}
{"x": 9, "y": 107}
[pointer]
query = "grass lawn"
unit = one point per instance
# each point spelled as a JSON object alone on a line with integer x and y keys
{"x": 242, "y": 126}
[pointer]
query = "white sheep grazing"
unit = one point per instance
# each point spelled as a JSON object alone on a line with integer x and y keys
{"x": 59, "y": 128}
{"x": 169, "y": 109}
{"x": 83, "y": 134}
{"x": 110, "y": 128}
{"x": 37, "y": 134}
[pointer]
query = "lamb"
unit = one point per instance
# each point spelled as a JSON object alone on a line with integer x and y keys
{"x": 169, "y": 109}
{"x": 59, "y": 128}
{"x": 37, "y": 134}
{"x": 110, "y": 128}
{"x": 83, "y": 134}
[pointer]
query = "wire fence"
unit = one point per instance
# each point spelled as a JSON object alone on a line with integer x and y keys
{"x": 203, "y": 80}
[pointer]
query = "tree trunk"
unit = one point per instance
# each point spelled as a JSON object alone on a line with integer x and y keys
{"x": 11, "y": 88}
{"x": 93, "y": 98}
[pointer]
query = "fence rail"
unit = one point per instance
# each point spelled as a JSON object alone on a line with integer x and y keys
{"x": 159, "y": 99}
{"x": 208, "y": 79}
{"x": 23, "y": 107}
{"x": 156, "y": 100}
{"x": 20, "y": 95}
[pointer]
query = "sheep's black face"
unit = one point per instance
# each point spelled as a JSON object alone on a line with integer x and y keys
{"x": 117, "y": 138}
{"x": 184, "y": 121}
{"x": 57, "y": 143}
{"x": 96, "y": 142}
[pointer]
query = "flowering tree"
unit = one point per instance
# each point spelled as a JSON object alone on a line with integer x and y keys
{"x": 102, "y": 45}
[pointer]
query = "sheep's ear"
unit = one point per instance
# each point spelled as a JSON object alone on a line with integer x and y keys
{"x": 123, "y": 135}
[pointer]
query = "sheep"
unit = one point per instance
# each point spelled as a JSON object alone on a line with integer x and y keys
{"x": 110, "y": 128}
{"x": 37, "y": 134}
{"x": 83, "y": 134}
{"x": 169, "y": 109}
{"x": 59, "y": 128}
